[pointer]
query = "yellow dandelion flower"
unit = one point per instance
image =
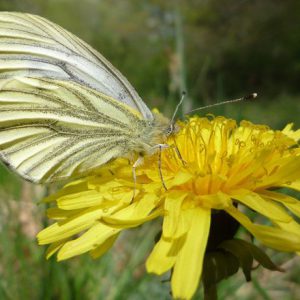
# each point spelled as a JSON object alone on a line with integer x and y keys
{"x": 214, "y": 165}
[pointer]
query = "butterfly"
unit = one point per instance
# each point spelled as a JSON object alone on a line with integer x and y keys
{"x": 64, "y": 109}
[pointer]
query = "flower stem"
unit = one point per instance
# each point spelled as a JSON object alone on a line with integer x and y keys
{"x": 210, "y": 292}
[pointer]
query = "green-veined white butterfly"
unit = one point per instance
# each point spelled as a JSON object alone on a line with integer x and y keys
{"x": 64, "y": 109}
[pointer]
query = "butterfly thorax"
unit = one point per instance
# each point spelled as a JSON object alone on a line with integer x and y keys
{"x": 152, "y": 134}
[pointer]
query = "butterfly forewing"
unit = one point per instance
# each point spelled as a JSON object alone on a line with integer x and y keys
{"x": 31, "y": 46}
{"x": 55, "y": 129}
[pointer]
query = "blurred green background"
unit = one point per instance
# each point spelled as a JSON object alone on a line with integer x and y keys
{"x": 214, "y": 50}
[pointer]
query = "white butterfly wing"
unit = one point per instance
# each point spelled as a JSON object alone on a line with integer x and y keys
{"x": 31, "y": 46}
{"x": 55, "y": 129}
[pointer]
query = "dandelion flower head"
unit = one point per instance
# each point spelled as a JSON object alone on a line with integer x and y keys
{"x": 212, "y": 165}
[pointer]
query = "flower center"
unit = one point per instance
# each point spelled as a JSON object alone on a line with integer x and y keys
{"x": 220, "y": 156}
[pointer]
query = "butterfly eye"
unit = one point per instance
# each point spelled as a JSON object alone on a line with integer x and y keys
{"x": 170, "y": 129}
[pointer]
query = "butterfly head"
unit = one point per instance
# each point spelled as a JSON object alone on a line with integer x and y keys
{"x": 173, "y": 128}
{"x": 163, "y": 126}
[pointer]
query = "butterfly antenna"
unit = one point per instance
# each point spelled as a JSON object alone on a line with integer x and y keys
{"x": 248, "y": 97}
{"x": 177, "y": 106}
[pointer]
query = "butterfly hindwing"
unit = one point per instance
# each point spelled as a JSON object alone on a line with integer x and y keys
{"x": 55, "y": 129}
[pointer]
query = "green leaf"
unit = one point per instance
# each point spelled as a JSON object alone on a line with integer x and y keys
{"x": 246, "y": 252}
{"x": 218, "y": 265}
{"x": 242, "y": 253}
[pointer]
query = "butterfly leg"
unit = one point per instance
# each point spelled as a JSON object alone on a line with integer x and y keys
{"x": 159, "y": 167}
{"x": 140, "y": 160}
{"x": 184, "y": 163}
{"x": 137, "y": 163}
{"x": 160, "y": 147}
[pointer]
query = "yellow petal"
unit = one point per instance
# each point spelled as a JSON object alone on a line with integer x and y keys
{"x": 119, "y": 222}
{"x": 291, "y": 226}
{"x": 54, "y": 247}
{"x": 282, "y": 198}
{"x": 70, "y": 188}
{"x": 136, "y": 213}
{"x": 294, "y": 208}
{"x": 294, "y": 134}
{"x": 215, "y": 201}
{"x": 160, "y": 260}
{"x": 264, "y": 206}
{"x": 291, "y": 203}
{"x": 104, "y": 247}
{"x": 189, "y": 263}
{"x": 90, "y": 240}
{"x": 289, "y": 171}
{"x": 172, "y": 207}
{"x": 180, "y": 178}
{"x": 241, "y": 172}
{"x": 276, "y": 238}
{"x": 69, "y": 227}
{"x": 55, "y": 213}
{"x": 83, "y": 199}
{"x": 295, "y": 185}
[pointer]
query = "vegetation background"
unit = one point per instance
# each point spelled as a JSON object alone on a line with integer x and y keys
{"x": 213, "y": 49}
